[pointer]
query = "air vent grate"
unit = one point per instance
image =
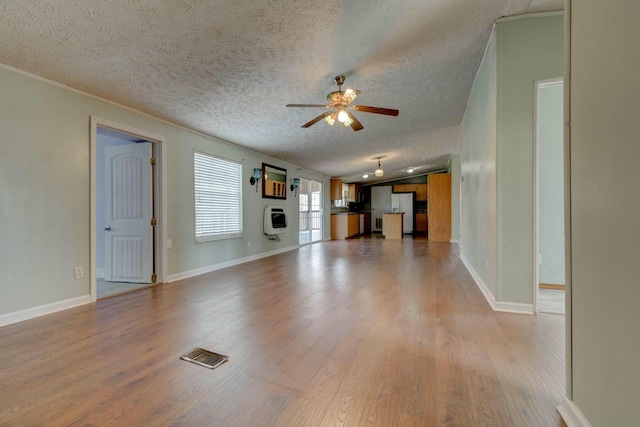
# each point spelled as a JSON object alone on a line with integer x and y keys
{"x": 205, "y": 358}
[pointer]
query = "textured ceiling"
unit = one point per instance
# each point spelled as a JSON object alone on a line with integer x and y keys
{"x": 227, "y": 68}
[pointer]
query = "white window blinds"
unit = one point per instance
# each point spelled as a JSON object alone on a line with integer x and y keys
{"x": 218, "y": 197}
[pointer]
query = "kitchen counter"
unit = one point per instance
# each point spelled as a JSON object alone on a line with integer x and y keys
{"x": 392, "y": 225}
{"x": 345, "y": 225}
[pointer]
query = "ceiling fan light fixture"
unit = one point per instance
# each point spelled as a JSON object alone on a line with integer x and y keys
{"x": 379, "y": 172}
{"x": 340, "y": 100}
{"x": 331, "y": 120}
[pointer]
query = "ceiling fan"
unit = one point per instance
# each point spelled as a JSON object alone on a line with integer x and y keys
{"x": 339, "y": 103}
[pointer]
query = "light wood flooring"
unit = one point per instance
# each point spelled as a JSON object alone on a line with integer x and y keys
{"x": 551, "y": 301}
{"x": 361, "y": 332}
{"x": 109, "y": 289}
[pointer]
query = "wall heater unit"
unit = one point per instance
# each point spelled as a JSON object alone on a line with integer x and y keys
{"x": 275, "y": 220}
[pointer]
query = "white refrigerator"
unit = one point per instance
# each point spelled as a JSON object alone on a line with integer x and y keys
{"x": 403, "y": 202}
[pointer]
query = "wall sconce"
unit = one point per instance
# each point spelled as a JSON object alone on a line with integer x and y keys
{"x": 257, "y": 176}
{"x": 295, "y": 183}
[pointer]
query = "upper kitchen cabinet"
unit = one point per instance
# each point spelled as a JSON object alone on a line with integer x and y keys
{"x": 419, "y": 189}
{"x": 439, "y": 207}
{"x": 355, "y": 192}
{"x": 335, "y": 188}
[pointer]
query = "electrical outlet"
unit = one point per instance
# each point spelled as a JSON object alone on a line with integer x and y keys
{"x": 78, "y": 272}
{"x": 249, "y": 243}
{"x": 169, "y": 243}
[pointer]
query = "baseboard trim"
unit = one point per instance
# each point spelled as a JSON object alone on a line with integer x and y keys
{"x": 30, "y": 313}
{"x": 514, "y": 307}
{"x": 571, "y": 414}
{"x": 214, "y": 267}
{"x": 456, "y": 241}
{"x": 476, "y": 277}
{"x": 507, "y": 307}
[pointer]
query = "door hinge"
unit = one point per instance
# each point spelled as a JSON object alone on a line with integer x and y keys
{"x": 154, "y": 222}
{"x": 152, "y": 161}
{"x": 154, "y": 278}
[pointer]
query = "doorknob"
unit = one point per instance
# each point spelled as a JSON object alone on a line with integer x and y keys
{"x": 107, "y": 228}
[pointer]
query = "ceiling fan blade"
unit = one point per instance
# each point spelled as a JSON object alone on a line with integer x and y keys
{"x": 308, "y": 105}
{"x": 317, "y": 119}
{"x": 355, "y": 124}
{"x": 376, "y": 110}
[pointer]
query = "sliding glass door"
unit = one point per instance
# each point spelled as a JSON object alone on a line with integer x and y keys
{"x": 310, "y": 211}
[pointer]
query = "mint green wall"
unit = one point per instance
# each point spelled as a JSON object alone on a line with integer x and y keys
{"x": 528, "y": 49}
{"x": 454, "y": 169}
{"x": 478, "y": 172}
{"x": 551, "y": 184}
{"x": 45, "y": 193}
{"x": 605, "y": 201}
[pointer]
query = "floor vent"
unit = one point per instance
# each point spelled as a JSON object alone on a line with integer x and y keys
{"x": 205, "y": 358}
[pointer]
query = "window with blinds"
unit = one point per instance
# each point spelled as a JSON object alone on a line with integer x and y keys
{"x": 218, "y": 197}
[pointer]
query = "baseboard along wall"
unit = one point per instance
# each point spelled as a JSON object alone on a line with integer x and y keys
{"x": 507, "y": 307}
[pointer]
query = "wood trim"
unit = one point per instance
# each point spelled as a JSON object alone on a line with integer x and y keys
{"x": 571, "y": 415}
{"x": 225, "y": 264}
{"x": 43, "y": 310}
{"x": 507, "y": 307}
{"x": 552, "y": 286}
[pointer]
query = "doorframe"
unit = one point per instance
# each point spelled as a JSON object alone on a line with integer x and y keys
{"x": 538, "y": 84}
{"x": 321, "y": 212}
{"x": 159, "y": 144}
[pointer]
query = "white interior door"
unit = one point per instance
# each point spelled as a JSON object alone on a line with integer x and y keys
{"x": 128, "y": 240}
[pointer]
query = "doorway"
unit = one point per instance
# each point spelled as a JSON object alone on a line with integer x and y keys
{"x": 380, "y": 203}
{"x": 127, "y": 209}
{"x": 310, "y": 211}
{"x": 549, "y": 271}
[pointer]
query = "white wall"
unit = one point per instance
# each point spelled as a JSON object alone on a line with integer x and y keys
{"x": 529, "y": 49}
{"x": 605, "y": 201}
{"x": 45, "y": 193}
{"x": 551, "y": 183}
{"x": 478, "y": 173}
{"x": 497, "y": 157}
{"x": 455, "y": 171}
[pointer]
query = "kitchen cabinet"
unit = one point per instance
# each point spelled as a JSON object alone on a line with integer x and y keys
{"x": 421, "y": 223}
{"x": 439, "y": 207}
{"x": 344, "y": 226}
{"x": 335, "y": 188}
{"x": 392, "y": 225}
{"x": 354, "y": 189}
{"x": 419, "y": 189}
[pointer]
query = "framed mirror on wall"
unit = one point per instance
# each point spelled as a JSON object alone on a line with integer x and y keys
{"x": 274, "y": 182}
